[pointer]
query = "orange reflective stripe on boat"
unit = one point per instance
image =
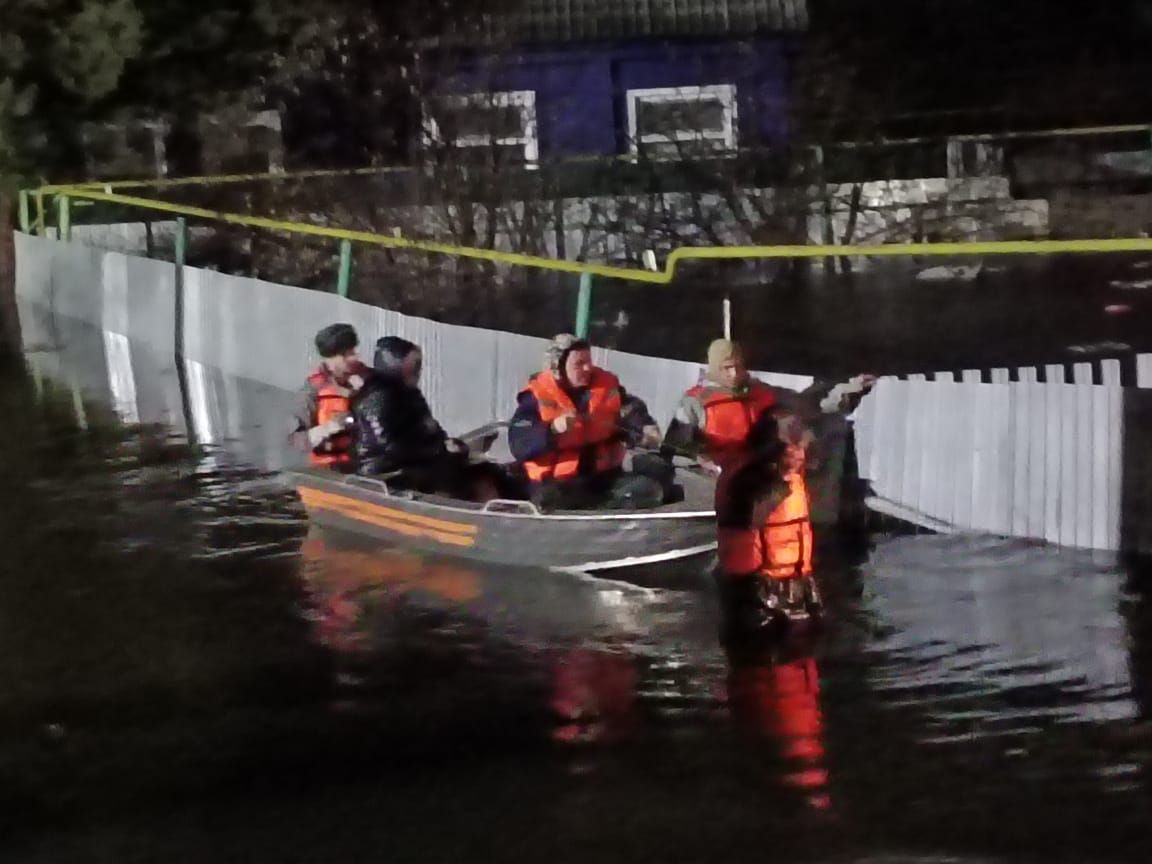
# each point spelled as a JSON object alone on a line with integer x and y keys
{"x": 409, "y": 524}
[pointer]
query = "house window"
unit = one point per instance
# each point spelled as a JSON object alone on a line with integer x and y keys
{"x": 505, "y": 120}
{"x": 682, "y": 121}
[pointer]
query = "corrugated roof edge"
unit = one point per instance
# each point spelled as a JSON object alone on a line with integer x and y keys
{"x": 608, "y": 22}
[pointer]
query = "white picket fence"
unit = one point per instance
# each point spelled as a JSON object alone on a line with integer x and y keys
{"x": 1017, "y": 458}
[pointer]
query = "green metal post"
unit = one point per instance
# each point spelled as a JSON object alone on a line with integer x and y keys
{"x": 64, "y": 217}
{"x": 25, "y": 212}
{"x": 181, "y": 248}
{"x": 344, "y": 275}
{"x": 180, "y": 253}
{"x": 583, "y": 305}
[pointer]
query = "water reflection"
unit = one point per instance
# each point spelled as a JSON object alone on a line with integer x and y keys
{"x": 776, "y": 694}
{"x": 1000, "y": 636}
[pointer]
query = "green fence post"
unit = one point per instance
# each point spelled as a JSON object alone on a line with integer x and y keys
{"x": 181, "y": 244}
{"x": 180, "y": 253}
{"x": 344, "y": 275}
{"x": 64, "y": 217}
{"x": 583, "y": 305}
{"x": 25, "y": 212}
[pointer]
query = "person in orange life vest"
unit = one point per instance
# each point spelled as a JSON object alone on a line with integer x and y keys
{"x": 320, "y": 423}
{"x": 776, "y": 694}
{"x": 713, "y": 419}
{"x": 570, "y": 431}
{"x": 764, "y": 531}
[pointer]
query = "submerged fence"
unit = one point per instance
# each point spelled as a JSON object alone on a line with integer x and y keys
{"x": 1040, "y": 452}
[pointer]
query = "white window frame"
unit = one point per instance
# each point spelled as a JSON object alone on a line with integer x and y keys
{"x": 525, "y": 100}
{"x": 725, "y": 94}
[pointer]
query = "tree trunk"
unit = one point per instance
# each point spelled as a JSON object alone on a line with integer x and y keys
{"x": 9, "y": 317}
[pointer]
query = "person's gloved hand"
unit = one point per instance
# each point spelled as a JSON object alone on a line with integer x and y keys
{"x": 317, "y": 435}
{"x": 455, "y": 445}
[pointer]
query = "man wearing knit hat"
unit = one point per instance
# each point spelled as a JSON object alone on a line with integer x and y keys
{"x": 713, "y": 419}
{"x": 572, "y": 426}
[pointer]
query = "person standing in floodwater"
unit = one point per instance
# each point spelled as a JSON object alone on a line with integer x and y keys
{"x": 320, "y": 423}
{"x": 764, "y": 532}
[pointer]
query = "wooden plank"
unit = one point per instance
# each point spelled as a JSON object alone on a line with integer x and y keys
{"x": 885, "y": 403}
{"x": 865, "y": 420}
{"x": 1087, "y": 427}
{"x": 895, "y": 441}
{"x": 1054, "y": 374}
{"x": 1068, "y": 465}
{"x": 1049, "y": 421}
{"x": 1103, "y": 498}
{"x": 929, "y": 498}
{"x": 1002, "y": 469}
{"x": 915, "y": 443}
{"x": 1082, "y": 373}
{"x": 971, "y": 376}
{"x": 1110, "y": 373}
{"x": 1115, "y": 449}
{"x": 1001, "y": 376}
{"x": 944, "y": 440}
{"x": 1021, "y": 458}
{"x": 965, "y": 421}
{"x": 982, "y": 433}
{"x": 1144, "y": 370}
{"x": 1028, "y": 375}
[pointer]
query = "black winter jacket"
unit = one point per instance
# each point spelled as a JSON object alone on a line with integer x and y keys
{"x": 395, "y": 428}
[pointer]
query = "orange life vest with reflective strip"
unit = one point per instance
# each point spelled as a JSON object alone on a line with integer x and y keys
{"x": 781, "y": 548}
{"x": 332, "y": 400}
{"x": 728, "y": 417}
{"x": 597, "y": 427}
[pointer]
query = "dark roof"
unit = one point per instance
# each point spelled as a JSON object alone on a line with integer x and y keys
{"x": 585, "y": 20}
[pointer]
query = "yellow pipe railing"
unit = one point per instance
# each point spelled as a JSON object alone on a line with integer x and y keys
{"x": 657, "y": 277}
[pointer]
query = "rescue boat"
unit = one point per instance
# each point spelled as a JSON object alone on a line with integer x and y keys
{"x": 516, "y": 532}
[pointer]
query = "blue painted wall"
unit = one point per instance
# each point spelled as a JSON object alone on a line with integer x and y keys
{"x": 580, "y": 92}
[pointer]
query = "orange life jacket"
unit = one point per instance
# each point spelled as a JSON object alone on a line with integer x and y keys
{"x": 781, "y": 548}
{"x": 598, "y": 427}
{"x": 728, "y": 417}
{"x": 332, "y": 400}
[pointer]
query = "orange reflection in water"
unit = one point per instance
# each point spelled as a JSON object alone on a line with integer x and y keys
{"x": 594, "y": 695}
{"x": 781, "y": 699}
{"x": 341, "y": 577}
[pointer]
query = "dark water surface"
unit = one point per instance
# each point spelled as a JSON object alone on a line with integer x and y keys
{"x": 190, "y": 675}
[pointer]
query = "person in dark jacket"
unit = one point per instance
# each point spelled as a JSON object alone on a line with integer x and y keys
{"x": 396, "y": 432}
{"x": 571, "y": 428}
